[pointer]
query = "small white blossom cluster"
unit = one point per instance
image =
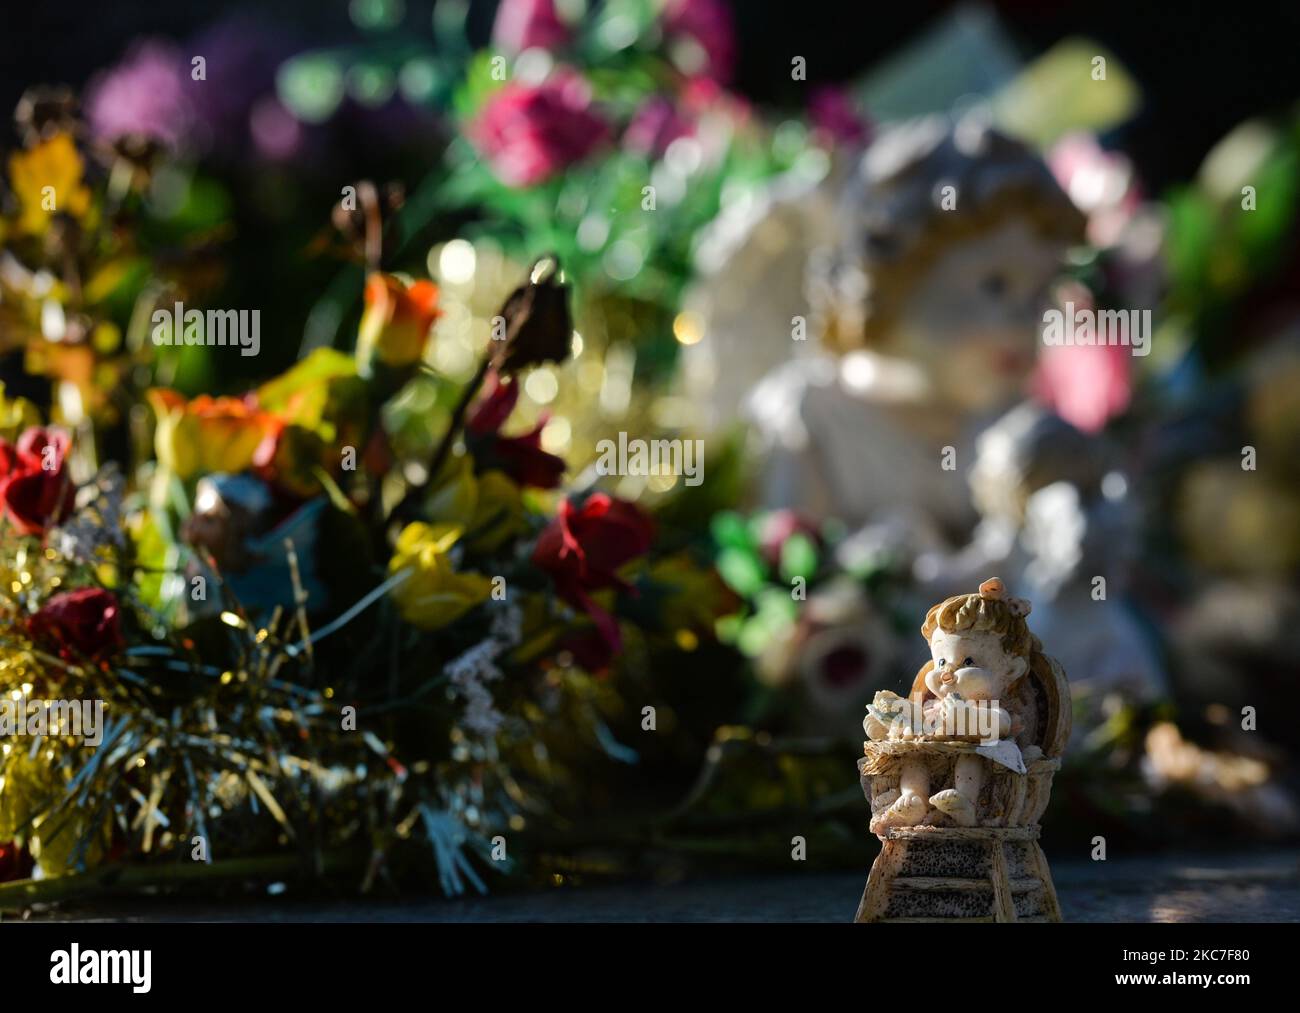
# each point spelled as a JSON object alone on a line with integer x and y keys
{"x": 472, "y": 671}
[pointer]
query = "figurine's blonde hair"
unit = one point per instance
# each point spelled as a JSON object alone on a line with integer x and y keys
{"x": 859, "y": 287}
{"x": 975, "y": 613}
{"x": 989, "y": 610}
{"x": 992, "y": 610}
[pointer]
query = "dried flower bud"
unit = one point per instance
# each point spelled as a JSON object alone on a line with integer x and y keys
{"x": 44, "y": 111}
{"x": 537, "y": 321}
{"x": 359, "y": 220}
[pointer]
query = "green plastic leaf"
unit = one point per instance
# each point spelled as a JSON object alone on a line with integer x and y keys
{"x": 742, "y": 571}
{"x": 798, "y": 557}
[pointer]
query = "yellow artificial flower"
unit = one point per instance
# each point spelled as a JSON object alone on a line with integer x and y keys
{"x": 55, "y": 852}
{"x": 16, "y": 415}
{"x": 693, "y": 596}
{"x": 498, "y": 512}
{"x": 46, "y": 180}
{"x": 23, "y": 793}
{"x": 434, "y": 595}
{"x": 488, "y": 507}
{"x": 208, "y": 434}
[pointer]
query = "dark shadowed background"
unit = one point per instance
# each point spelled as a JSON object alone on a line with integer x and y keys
{"x": 1203, "y": 67}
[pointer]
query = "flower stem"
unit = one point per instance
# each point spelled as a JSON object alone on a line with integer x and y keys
{"x": 449, "y": 438}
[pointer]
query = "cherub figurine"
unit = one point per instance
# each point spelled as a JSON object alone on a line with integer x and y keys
{"x": 972, "y": 689}
{"x": 926, "y": 291}
{"x": 1056, "y": 514}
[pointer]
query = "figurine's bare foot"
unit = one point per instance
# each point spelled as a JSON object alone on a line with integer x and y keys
{"x": 879, "y": 807}
{"x": 906, "y": 811}
{"x": 956, "y": 805}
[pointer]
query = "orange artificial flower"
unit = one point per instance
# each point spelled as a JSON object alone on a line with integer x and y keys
{"x": 396, "y": 321}
{"x": 208, "y": 434}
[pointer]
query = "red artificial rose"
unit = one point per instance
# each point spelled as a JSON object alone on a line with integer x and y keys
{"x": 520, "y": 457}
{"x": 15, "y": 862}
{"x": 35, "y": 490}
{"x": 584, "y": 547}
{"x": 85, "y": 623}
{"x": 528, "y": 133}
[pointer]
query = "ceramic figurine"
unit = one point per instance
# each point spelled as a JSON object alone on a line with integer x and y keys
{"x": 1059, "y": 518}
{"x": 959, "y": 773}
{"x": 927, "y": 296}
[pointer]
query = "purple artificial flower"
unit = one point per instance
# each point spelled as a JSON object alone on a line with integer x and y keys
{"x": 241, "y": 54}
{"x": 528, "y": 24}
{"x": 143, "y": 96}
{"x": 276, "y": 133}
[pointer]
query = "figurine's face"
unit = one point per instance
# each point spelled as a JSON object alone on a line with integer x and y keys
{"x": 972, "y": 664}
{"x": 973, "y": 322}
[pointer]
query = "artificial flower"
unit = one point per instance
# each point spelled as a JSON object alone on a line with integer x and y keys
{"x": 498, "y": 512}
{"x": 835, "y": 119}
{"x": 395, "y": 323}
{"x": 208, "y": 434}
{"x": 654, "y": 126}
{"x": 1101, "y": 183}
{"x": 47, "y": 180}
{"x": 538, "y": 326}
{"x": 142, "y": 98}
{"x": 530, "y": 132}
{"x": 35, "y": 490}
{"x": 688, "y": 595}
{"x": 85, "y": 623}
{"x": 584, "y": 547}
{"x": 528, "y": 24}
{"x": 433, "y": 595}
{"x": 25, "y": 792}
{"x": 701, "y": 37}
{"x": 777, "y": 528}
{"x": 520, "y": 457}
{"x": 487, "y": 506}
{"x": 15, "y": 862}
{"x": 45, "y": 110}
{"x": 57, "y": 853}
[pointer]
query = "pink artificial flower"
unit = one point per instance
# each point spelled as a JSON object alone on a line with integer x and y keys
{"x": 654, "y": 126}
{"x": 528, "y": 133}
{"x": 143, "y": 96}
{"x": 708, "y": 32}
{"x": 1101, "y": 184}
{"x": 528, "y": 24}
{"x": 1084, "y": 384}
{"x": 835, "y": 117}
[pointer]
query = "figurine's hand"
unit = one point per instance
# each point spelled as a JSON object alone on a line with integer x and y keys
{"x": 874, "y": 727}
{"x": 949, "y": 708}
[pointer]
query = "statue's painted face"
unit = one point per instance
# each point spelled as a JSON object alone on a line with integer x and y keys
{"x": 974, "y": 664}
{"x": 973, "y": 322}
